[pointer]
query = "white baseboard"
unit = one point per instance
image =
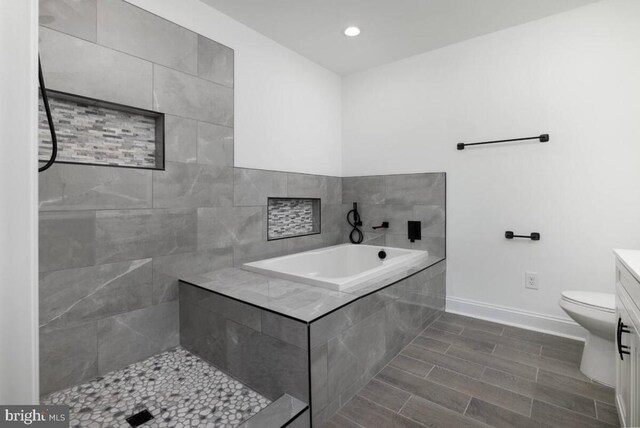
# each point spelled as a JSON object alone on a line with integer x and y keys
{"x": 516, "y": 317}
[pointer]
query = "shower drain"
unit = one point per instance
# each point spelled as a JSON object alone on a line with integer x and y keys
{"x": 140, "y": 418}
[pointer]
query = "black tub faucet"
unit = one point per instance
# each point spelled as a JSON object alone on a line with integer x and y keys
{"x": 384, "y": 225}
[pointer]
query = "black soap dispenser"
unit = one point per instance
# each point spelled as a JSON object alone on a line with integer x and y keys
{"x": 414, "y": 230}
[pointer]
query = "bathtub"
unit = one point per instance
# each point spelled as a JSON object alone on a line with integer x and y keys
{"x": 340, "y": 267}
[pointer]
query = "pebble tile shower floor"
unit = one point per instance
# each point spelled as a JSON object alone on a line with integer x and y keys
{"x": 178, "y": 388}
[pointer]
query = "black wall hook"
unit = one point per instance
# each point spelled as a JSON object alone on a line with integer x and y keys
{"x": 535, "y": 236}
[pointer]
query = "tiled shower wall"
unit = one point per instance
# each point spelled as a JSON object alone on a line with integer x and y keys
{"x": 398, "y": 199}
{"x": 113, "y": 241}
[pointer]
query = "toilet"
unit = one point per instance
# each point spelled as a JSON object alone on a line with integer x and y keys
{"x": 596, "y": 312}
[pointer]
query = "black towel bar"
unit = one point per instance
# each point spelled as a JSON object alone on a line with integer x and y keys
{"x": 543, "y": 139}
{"x": 535, "y": 236}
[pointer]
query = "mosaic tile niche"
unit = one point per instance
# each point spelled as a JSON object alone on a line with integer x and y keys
{"x": 100, "y": 133}
{"x": 289, "y": 217}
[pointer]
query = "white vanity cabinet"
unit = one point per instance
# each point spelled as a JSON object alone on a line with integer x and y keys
{"x": 628, "y": 337}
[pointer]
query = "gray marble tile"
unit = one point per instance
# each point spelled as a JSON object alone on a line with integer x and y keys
{"x": 229, "y": 226}
{"x": 496, "y": 416}
{"x": 67, "y": 239}
{"x": 404, "y": 321}
{"x": 363, "y": 190}
{"x": 192, "y": 185}
{"x": 490, "y": 393}
{"x": 277, "y": 414}
{"x": 133, "y": 30}
{"x": 435, "y": 246}
{"x": 67, "y": 357}
{"x": 432, "y": 218}
{"x": 221, "y": 306}
{"x": 259, "y": 250}
{"x": 215, "y": 144}
{"x": 203, "y": 333}
{"x": 332, "y": 219}
{"x": 370, "y": 414}
{"x": 183, "y": 95}
{"x": 415, "y": 189}
{"x": 215, "y": 62}
{"x": 341, "y": 320}
{"x": 319, "y": 379}
{"x": 254, "y": 186}
{"x": 134, "y": 336}
{"x": 426, "y": 389}
{"x": 136, "y": 234}
{"x": 79, "y": 67}
{"x": 73, "y": 17}
{"x": 84, "y": 187}
{"x": 332, "y": 238}
{"x": 355, "y": 351}
{"x": 459, "y": 365}
{"x": 540, "y": 392}
{"x": 432, "y": 415}
{"x": 557, "y": 416}
{"x": 180, "y": 139}
{"x": 328, "y": 189}
{"x": 167, "y": 270}
{"x": 77, "y": 296}
{"x": 266, "y": 364}
{"x": 285, "y": 329}
{"x": 299, "y": 244}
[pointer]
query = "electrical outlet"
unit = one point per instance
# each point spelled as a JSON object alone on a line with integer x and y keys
{"x": 531, "y": 280}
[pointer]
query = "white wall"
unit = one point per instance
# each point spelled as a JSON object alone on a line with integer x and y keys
{"x": 575, "y": 76}
{"x": 18, "y": 209}
{"x": 287, "y": 108}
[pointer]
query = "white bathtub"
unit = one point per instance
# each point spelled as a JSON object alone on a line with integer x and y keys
{"x": 339, "y": 267}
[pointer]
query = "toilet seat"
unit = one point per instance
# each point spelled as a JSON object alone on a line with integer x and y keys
{"x": 604, "y": 302}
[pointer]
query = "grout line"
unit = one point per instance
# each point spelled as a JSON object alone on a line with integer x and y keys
{"x": 397, "y": 413}
{"x": 468, "y": 404}
{"x": 430, "y": 370}
{"x": 595, "y": 404}
{"x": 405, "y": 403}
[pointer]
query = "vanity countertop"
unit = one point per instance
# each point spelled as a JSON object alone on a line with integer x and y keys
{"x": 631, "y": 260}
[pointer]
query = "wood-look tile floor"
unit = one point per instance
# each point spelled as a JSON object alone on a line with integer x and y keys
{"x": 465, "y": 372}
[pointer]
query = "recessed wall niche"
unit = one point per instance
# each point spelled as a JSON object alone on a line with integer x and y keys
{"x": 96, "y": 132}
{"x": 291, "y": 217}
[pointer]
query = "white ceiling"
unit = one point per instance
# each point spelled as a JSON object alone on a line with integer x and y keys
{"x": 391, "y": 29}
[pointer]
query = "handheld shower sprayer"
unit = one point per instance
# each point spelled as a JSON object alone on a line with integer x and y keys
{"x": 47, "y": 109}
{"x": 356, "y": 235}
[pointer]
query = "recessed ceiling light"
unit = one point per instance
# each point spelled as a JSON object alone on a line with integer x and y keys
{"x": 351, "y": 31}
